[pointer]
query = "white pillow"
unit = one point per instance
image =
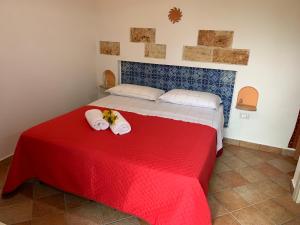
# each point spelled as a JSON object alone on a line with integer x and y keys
{"x": 192, "y": 98}
{"x": 136, "y": 91}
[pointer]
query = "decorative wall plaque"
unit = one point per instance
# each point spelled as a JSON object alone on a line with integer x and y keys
{"x": 146, "y": 35}
{"x": 231, "y": 56}
{"x": 175, "y": 15}
{"x": 215, "y": 38}
{"x": 157, "y": 51}
{"x": 197, "y": 53}
{"x": 109, "y": 48}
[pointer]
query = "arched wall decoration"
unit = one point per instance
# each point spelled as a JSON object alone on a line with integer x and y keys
{"x": 247, "y": 99}
{"x": 109, "y": 79}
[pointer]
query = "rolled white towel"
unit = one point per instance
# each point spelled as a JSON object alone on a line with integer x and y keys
{"x": 95, "y": 119}
{"x": 121, "y": 125}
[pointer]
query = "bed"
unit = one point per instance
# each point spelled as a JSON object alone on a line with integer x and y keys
{"x": 205, "y": 116}
{"x": 158, "y": 172}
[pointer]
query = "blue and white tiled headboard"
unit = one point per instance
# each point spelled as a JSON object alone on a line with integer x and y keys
{"x": 166, "y": 77}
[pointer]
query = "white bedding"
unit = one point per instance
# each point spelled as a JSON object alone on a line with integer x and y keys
{"x": 210, "y": 117}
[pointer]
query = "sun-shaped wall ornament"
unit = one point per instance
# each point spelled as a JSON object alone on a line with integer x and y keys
{"x": 175, "y": 15}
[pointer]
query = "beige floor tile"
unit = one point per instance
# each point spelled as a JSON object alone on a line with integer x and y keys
{"x": 54, "y": 219}
{"x": 142, "y": 222}
{"x": 266, "y": 155}
{"x": 225, "y": 220}
{"x": 54, "y": 204}
{"x": 295, "y": 221}
{"x": 233, "y": 179}
{"x": 109, "y": 215}
{"x": 249, "y": 156}
{"x": 16, "y": 213}
{"x": 250, "y": 193}
{"x": 27, "y": 189}
{"x": 232, "y": 148}
{"x": 227, "y": 153}
{"x": 73, "y": 201}
{"x": 15, "y": 198}
{"x": 283, "y": 181}
{"x": 233, "y": 162}
{"x": 270, "y": 189}
{"x": 282, "y": 165}
{"x": 216, "y": 184}
{"x": 22, "y": 223}
{"x": 230, "y": 200}
{"x": 6, "y": 162}
{"x": 252, "y": 160}
{"x": 287, "y": 202}
{"x": 268, "y": 170}
{"x": 274, "y": 212}
{"x": 216, "y": 208}
{"x": 129, "y": 221}
{"x": 251, "y": 174}
{"x": 221, "y": 167}
{"x": 88, "y": 214}
{"x": 251, "y": 216}
{"x": 42, "y": 190}
{"x": 290, "y": 159}
{"x": 236, "y": 166}
{"x": 3, "y": 173}
{"x": 241, "y": 152}
{"x": 291, "y": 174}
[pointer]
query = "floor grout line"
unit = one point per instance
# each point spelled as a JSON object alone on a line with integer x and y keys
{"x": 125, "y": 218}
{"x": 235, "y": 218}
{"x": 255, "y": 204}
{"x": 226, "y": 211}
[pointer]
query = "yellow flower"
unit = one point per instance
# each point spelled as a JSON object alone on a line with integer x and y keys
{"x": 109, "y": 116}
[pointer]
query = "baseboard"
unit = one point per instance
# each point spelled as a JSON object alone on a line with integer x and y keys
{"x": 259, "y": 147}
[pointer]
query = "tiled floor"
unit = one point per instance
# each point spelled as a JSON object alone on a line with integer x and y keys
{"x": 247, "y": 188}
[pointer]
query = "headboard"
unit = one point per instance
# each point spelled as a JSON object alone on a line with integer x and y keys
{"x": 167, "y": 77}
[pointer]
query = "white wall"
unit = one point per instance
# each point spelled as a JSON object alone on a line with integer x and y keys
{"x": 269, "y": 28}
{"x": 47, "y": 62}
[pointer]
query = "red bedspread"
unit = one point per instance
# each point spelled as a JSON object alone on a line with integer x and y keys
{"x": 158, "y": 172}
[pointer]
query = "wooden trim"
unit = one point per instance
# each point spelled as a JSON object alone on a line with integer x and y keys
{"x": 297, "y": 152}
{"x": 296, "y": 134}
{"x": 296, "y": 184}
{"x": 259, "y": 147}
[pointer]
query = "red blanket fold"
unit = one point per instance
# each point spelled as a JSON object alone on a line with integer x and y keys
{"x": 158, "y": 172}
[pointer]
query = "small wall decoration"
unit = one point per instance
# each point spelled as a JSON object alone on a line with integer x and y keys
{"x": 145, "y": 35}
{"x": 216, "y": 46}
{"x": 155, "y": 51}
{"x": 215, "y": 38}
{"x": 231, "y": 56}
{"x": 109, "y": 79}
{"x": 198, "y": 53}
{"x": 109, "y": 48}
{"x": 175, "y": 15}
{"x": 247, "y": 99}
